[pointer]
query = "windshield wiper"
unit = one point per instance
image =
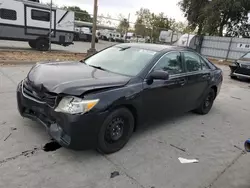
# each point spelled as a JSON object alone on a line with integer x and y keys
{"x": 82, "y": 61}
{"x": 124, "y": 48}
{"x": 98, "y": 67}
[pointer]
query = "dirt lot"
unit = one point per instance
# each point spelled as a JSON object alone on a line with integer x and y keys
{"x": 149, "y": 160}
{"x": 33, "y": 56}
{"x": 77, "y": 47}
{"x": 13, "y": 52}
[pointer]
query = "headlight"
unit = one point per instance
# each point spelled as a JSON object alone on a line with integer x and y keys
{"x": 75, "y": 105}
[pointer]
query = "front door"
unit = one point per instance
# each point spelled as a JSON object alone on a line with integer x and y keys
{"x": 165, "y": 97}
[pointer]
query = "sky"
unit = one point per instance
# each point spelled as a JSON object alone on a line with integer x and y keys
{"x": 126, "y": 7}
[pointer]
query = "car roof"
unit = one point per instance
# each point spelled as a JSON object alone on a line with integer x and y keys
{"x": 153, "y": 47}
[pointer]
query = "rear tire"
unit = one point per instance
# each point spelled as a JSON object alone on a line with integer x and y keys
{"x": 206, "y": 104}
{"x": 115, "y": 131}
{"x": 42, "y": 45}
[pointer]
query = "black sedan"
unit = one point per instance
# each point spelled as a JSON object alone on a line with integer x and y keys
{"x": 99, "y": 102}
{"x": 241, "y": 67}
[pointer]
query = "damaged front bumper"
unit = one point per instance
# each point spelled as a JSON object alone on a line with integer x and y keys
{"x": 71, "y": 131}
{"x": 242, "y": 72}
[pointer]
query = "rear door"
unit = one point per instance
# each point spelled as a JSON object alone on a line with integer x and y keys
{"x": 198, "y": 77}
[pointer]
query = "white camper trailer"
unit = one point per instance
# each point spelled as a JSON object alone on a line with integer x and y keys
{"x": 169, "y": 36}
{"x": 23, "y": 20}
{"x": 187, "y": 40}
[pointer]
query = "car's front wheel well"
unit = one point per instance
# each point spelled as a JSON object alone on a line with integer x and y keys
{"x": 215, "y": 90}
{"x": 133, "y": 110}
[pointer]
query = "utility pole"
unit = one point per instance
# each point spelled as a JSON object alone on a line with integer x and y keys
{"x": 92, "y": 50}
{"x": 126, "y": 32}
{"x": 50, "y": 27}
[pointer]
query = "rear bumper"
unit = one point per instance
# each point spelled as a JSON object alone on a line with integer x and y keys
{"x": 71, "y": 131}
{"x": 239, "y": 72}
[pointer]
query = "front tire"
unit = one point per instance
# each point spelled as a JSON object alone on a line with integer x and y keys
{"x": 207, "y": 103}
{"x": 115, "y": 131}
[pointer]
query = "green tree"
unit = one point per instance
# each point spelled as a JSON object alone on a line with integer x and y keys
{"x": 145, "y": 16}
{"x": 161, "y": 21}
{"x": 214, "y": 16}
{"x": 227, "y": 13}
{"x": 140, "y": 27}
{"x": 151, "y": 24}
{"x": 194, "y": 11}
{"x": 80, "y": 15}
{"x": 241, "y": 29}
{"x": 181, "y": 27}
{"x": 123, "y": 25}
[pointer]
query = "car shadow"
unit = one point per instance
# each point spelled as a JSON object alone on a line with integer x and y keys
{"x": 81, "y": 155}
{"x": 159, "y": 123}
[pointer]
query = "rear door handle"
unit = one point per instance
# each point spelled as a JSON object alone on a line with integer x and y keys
{"x": 206, "y": 76}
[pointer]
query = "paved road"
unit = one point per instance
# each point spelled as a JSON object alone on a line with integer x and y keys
{"x": 78, "y": 47}
{"x": 147, "y": 161}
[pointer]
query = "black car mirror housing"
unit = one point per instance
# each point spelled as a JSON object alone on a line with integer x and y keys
{"x": 159, "y": 75}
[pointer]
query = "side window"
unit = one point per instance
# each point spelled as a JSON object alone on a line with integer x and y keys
{"x": 40, "y": 15}
{"x": 192, "y": 61}
{"x": 170, "y": 62}
{"x": 8, "y": 14}
{"x": 204, "y": 65}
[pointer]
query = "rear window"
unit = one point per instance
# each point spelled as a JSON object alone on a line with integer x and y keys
{"x": 209, "y": 63}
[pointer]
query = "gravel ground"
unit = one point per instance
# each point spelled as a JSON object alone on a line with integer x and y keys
{"x": 149, "y": 160}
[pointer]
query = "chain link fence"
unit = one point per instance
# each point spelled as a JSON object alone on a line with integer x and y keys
{"x": 122, "y": 29}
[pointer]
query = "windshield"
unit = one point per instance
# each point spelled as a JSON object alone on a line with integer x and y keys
{"x": 247, "y": 55}
{"x": 127, "y": 61}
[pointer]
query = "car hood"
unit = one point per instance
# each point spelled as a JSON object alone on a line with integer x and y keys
{"x": 73, "y": 78}
{"x": 244, "y": 61}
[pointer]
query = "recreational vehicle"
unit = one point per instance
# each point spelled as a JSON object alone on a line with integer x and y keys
{"x": 25, "y": 20}
{"x": 169, "y": 36}
{"x": 187, "y": 40}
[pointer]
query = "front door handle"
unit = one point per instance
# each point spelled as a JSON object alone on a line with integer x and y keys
{"x": 182, "y": 82}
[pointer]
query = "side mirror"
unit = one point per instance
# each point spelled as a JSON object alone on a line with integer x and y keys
{"x": 247, "y": 145}
{"x": 159, "y": 75}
